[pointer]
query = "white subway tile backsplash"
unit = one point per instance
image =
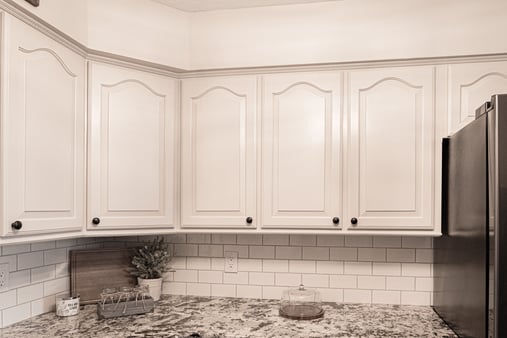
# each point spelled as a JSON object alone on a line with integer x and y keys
{"x": 29, "y": 293}
{"x": 359, "y": 241}
{"x": 43, "y": 305}
{"x": 235, "y": 278}
{"x": 178, "y": 263}
{"x": 302, "y": 266}
{"x": 43, "y": 246}
{"x": 249, "y": 239}
{"x": 249, "y": 264}
{"x": 387, "y": 242}
{"x": 30, "y": 260}
{"x": 242, "y": 250}
{"x": 371, "y": 254}
{"x": 357, "y": 268}
{"x": 343, "y": 281}
{"x": 330, "y": 240}
{"x": 287, "y": 279}
{"x": 12, "y": 260}
{"x": 15, "y": 249}
{"x": 198, "y": 263}
{"x": 185, "y": 275}
{"x": 62, "y": 270}
{"x": 8, "y": 299}
{"x": 223, "y": 239}
{"x": 343, "y": 254}
{"x": 56, "y": 286}
{"x": 19, "y": 278}
{"x": 186, "y": 250}
{"x": 272, "y": 292}
{"x": 43, "y": 273}
{"x": 316, "y": 253}
{"x": 261, "y": 278}
{"x": 287, "y": 252}
{"x": 330, "y": 267}
{"x": 416, "y": 269}
{"x": 386, "y": 269}
{"x": 386, "y": 297}
{"x": 371, "y": 282}
{"x": 249, "y": 291}
{"x": 315, "y": 281}
{"x": 275, "y": 240}
{"x": 55, "y": 256}
{"x": 16, "y": 314}
{"x": 357, "y": 296}
{"x": 174, "y": 288}
{"x": 424, "y": 284}
{"x": 198, "y": 238}
{"x": 199, "y": 289}
{"x": 417, "y": 242}
{"x": 400, "y": 283}
{"x": 303, "y": 240}
{"x": 401, "y": 255}
{"x": 267, "y": 252}
{"x": 218, "y": 264}
{"x": 272, "y": 265}
{"x": 415, "y": 298}
{"x": 223, "y": 290}
{"x": 331, "y": 295}
{"x": 424, "y": 255}
{"x": 206, "y": 250}
{"x": 210, "y": 276}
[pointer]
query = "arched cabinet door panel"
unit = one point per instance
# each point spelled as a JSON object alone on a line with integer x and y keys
{"x": 470, "y": 85}
{"x": 391, "y": 149}
{"x": 43, "y": 129}
{"x": 301, "y": 150}
{"x": 219, "y": 152}
{"x": 132, "y": 149}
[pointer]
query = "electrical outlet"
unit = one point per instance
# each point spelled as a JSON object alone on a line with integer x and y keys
{"x": 4, "y": 277}
{"x": 231, "y": 261}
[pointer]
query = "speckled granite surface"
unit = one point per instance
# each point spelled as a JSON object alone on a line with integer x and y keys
{"x": 180, "y": 316}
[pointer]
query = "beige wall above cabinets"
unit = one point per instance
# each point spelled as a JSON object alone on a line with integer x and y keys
{"x": 218, "y": 153}
{"x": 42, "y": 133}
{"x": 301, "y": 150}
{"x": 132, "y": 154}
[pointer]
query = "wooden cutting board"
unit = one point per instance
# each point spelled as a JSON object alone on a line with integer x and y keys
{"x": 93, "y": 270}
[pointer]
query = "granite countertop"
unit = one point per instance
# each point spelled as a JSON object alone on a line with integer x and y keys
{"x": 180, "y": 316}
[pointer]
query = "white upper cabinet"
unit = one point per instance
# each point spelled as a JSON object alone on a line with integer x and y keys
{"x": 470, "y": 85}
{"x": 132, "y": 152}
{"x": 42, "y": 131}
{"x": 391, "y": 149}
{"x": 301, "y": 131}
{"x": 218, "y": 159}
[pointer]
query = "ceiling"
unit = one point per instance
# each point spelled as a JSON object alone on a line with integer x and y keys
{"x": 210, "y": 5}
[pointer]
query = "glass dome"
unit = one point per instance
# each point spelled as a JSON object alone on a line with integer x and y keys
{"x": 301, "y": 303}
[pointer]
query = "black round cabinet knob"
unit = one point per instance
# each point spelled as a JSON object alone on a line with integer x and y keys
{"x": 17, "y": 225}
{"x": 336, "y": 220}
{"x": 96, "y": 220}
{"x": 249, "y": 220}
{"x": 353, "y": 220}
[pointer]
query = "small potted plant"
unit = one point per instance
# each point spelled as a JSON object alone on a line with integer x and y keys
{"x": 149, "y": 264}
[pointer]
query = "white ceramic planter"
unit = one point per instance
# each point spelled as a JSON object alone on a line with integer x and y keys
{"x": 154, "y": 286}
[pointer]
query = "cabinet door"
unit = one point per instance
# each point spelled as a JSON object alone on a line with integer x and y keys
{"x": 391, "y": 149}
{"x": 470, "y": 85}
{"x": 218, "y": 152}
{"x": 132, "y": 148}
{"x": 301, "y": 172}
{"x": 42, "y": 128}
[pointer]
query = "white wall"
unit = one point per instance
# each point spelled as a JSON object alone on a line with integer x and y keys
{"x": 145, "y": 30}
{"x": 68, "y": 16}
{"x": 348, "y": 30}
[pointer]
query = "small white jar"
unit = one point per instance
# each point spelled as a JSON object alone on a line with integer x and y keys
{"x": 67, "y": 305}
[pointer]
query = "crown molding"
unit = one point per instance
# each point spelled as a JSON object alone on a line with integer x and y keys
{"x": 14, "y": 9}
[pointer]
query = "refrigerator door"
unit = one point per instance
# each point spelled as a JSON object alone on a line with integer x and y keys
{"x": 461, "y": 256}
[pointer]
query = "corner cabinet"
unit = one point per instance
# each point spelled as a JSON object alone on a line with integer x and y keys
{"x": 392, "y": 148}
{"x": 301, "y": 150}
{"x": 42, "y": 133}
{"x": 470, "y": 85}
{"x": 219, "y": 152}
{"x": 132, "y": 149}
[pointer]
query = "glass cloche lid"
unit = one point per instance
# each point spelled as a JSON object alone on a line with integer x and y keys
{"x": 301, "y": 303}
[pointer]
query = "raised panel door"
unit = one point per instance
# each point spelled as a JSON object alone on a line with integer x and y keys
{"x": 132, "y": 149}
{"x": 470, "y": 85}
{"x": 43, "y": 128}
{"x": 218, "y": 152}
{"x": 301, "y": 130}
{"x": 391, "y": 149}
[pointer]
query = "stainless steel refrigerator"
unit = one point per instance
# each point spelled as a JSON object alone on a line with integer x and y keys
{"x": 470, "y": 267}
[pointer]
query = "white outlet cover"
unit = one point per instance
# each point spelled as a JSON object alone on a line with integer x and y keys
{"x": 231, "y": 261}
{"x": 4, "y": 277}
